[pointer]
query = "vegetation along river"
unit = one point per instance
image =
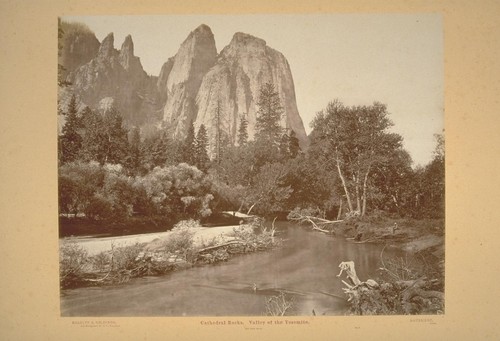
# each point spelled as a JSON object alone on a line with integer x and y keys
{"x": 305, "y": 268}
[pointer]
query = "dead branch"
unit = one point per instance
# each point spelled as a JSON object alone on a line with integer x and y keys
{"x": 210, "y": 248}
{"x": 316, "y": 222}
{"x": 349, "y": 269}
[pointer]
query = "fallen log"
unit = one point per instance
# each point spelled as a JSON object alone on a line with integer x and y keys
{"x": 316, "y": 222}
{"x": 233, "y": 242}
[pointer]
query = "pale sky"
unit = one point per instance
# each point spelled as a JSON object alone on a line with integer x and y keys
{"x": 396, "y": 59}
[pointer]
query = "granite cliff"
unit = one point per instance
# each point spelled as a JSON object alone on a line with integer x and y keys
{"x": 190, "y": 86}
{"x": 115, "y": 78}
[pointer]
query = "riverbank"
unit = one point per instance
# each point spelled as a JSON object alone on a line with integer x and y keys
{"x": 107, "y": 260}
{"x": 95, "y": 245}
{"x": 411, "y": 283}
{"x": 424, "y": 237}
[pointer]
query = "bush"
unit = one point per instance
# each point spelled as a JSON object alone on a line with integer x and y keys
{"x": 255, "y": 236}
{"x": 180, "y": 191}
{"x": 181, "y": 240}
{"x": 278, "y": 305}
{"x": 124, "y": 258}
{"x": 73, "y": 260}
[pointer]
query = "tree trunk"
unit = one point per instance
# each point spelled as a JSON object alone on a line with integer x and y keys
{"x": 251, "y": 207}
{"x": 348, "y": 197}
{"x": 358, "y": 201}
{"x": 365, "y": 185}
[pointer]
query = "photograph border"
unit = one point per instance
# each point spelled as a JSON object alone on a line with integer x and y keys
{"x": 30, "y": 297}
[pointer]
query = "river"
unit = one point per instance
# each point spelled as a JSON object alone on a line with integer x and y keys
{"x": 305, "y": 267}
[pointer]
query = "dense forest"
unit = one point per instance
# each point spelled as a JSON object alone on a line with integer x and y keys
{"x": 354, "y": 165}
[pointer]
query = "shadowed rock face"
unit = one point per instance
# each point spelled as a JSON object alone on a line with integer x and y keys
{"x": 117, "y": 77}
{"x": 190, "y": 86}
{"x": 79, "y": 46}
{"x": 182, "y": 75}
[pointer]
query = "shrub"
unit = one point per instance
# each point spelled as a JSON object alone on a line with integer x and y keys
{"x": 278, "y": 305}
{"x": 124, "y": 258}
{"x": 72, "y": 262}
{"x": 101, "y": 262}
{"x": 181, "y": 240}
{"x": 180, "y": 191}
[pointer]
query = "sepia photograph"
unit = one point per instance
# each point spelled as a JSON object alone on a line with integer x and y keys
{"x": 251, "y": 165}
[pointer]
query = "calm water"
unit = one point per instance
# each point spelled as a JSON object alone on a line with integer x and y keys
{"x": 306, "y": 267}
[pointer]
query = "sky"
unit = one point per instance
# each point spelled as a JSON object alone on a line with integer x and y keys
{"x": 396, "y": 59}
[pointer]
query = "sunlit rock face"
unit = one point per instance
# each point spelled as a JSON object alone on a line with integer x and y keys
{"x": 233, "y": 85}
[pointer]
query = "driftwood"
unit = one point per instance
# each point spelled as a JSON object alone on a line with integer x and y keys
{"x": 352, "y": 289}
{"x": 316, "y": 222}
{"x": 232, "y": 242}
{"x": 367, "y": 297}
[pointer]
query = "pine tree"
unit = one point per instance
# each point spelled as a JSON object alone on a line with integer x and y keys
{"x": 116, "y": 145}
{"x": 154, "y": 151}
{"x": 243, "y": 132}
{"x": 284, "y": 146}
{"x": 105, "y": 138}
{"x": 94, "y": 138}
{"x": 269, "y": 115}
{"x": 188, "y": 146}
{"x": 293, "y": 144}
{"x": 200, "y": 151}
{"x": 268, "y": 134}
{"x": 134, "y": 154}
{"x": 70, "y": 142}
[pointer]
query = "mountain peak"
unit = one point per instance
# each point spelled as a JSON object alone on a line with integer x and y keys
{"x": 203, "y": 29}
{"x": 128, "y": 45}
{"x": 240, "y": 38}
{"x": 107, "y": 45}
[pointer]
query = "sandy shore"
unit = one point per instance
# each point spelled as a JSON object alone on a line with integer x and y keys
{"x": 97, "y": 245}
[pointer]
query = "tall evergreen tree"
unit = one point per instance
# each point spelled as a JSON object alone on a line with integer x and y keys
{"x": 70, "y": 142}
{"x": 116, "y": 144}
{"x": 243, "y": 132}
{"x": 200, "y": 152}
{"x": 188, "y": 146}
{"x": 93, "y": 137}
{"x": 293, "y": 144}
{"x": 269, "y": 115}
{"x": 105, "y": 138}
{"x": 268, "y": 134}
{"x": 134, "y": 157}
{"x": 284, "y": 146}
{"x": 154, "y": 150}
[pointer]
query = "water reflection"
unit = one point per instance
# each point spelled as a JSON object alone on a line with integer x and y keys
{"x": 305, "y": 268}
